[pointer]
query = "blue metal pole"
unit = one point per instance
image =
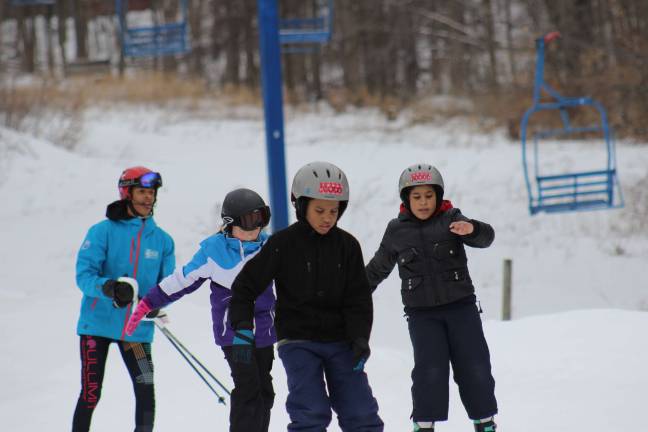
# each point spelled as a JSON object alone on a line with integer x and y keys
{"x": 539, "y": 72}
{"x": 273, "y": 110}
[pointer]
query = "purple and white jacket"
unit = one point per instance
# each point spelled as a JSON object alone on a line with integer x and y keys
{"x": 219, "y": 259}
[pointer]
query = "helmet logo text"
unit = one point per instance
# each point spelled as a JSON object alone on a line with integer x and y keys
{"x": 330, "y": 188}
{"x": 421, "y": 176}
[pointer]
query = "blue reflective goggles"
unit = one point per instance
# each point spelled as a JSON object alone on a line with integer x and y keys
{"x": 148, "y": 180}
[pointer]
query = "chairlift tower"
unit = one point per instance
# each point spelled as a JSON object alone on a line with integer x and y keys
{"x": 274, "y": 32}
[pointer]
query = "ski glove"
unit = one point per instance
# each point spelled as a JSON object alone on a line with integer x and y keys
{"x": 141, "y": 310}
{"x": 243, "y": 344}
{"x": 121, "y": 291}
{"x": 361, "y": 353}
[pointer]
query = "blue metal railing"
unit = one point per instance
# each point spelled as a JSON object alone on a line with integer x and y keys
{"x": 575, "y": 191}
{"x": 153, "y": 40}
{"x": 316, "y": 30}
{"x": 32, "y": 2}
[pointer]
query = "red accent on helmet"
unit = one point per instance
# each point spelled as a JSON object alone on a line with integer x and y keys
{"x": 421, "y": 176}
{"x": 132, "y": 173}
{"x": 332, "y": 188}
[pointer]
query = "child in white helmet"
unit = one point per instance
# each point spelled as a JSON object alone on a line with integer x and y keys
{"x": 324, "y": 310}
{"x": 427, "y": 241}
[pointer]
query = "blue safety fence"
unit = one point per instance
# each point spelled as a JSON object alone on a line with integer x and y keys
{"x": 566, "y": 191}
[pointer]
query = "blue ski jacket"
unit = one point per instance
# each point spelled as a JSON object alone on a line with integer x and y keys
{"x": 219, "y": 259}
{"x": 134, "y": 247}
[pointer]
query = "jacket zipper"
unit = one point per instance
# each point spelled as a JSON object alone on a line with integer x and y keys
{"x": 137, "y": 252}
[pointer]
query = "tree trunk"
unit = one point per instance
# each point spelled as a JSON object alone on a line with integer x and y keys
{"x": 509, "y": 42}
{"x": 81, "y": 29}
{"x": 250, "y": 41}
{"x": 490, "y": 36}
{"x": 347, "y": 23}
{"x": 27, "y": 38}
{"x": 458, "y": 78}
{"x": 232, "y": 43}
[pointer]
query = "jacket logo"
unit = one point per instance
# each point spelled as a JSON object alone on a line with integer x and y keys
{"x": 421, "y": 176}
{"x": 85, "y": 245}
{"x": 331, "y": 188}
{"x": 151, "y": 254}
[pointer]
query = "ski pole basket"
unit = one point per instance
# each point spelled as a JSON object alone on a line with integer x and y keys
{"x": 553, "y": 185}
{"x": 152, "y": 40}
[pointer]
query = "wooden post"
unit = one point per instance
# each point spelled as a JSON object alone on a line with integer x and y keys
{"x": 506, "y": 289}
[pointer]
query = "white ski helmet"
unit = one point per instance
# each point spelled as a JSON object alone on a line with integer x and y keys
{"x": 319, "y": 180}
{"x": 417, "y": 175}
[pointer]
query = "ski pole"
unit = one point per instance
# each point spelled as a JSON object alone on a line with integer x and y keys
{"x": 177, "y": 341}
{"x": 165, "y": 332}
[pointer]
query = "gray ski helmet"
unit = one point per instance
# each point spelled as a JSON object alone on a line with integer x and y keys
{"x": 246, "y": 209}
{"x": 319, "y": 180}
{"x": 417, "y": 175}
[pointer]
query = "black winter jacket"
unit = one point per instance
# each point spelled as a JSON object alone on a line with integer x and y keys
{"x": 322, "y": 290}
{"x": 432, "y": 262}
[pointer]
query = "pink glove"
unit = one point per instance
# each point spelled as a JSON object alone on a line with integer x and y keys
{"x": 140, "y": 312}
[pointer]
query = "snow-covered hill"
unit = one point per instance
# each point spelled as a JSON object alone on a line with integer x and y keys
{"x": 572, "y": 360}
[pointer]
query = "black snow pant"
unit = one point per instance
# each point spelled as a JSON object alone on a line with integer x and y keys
{"x": 137, "y": 357}
{"x": 253, "y": 394}
{"x": 440, "y": 336}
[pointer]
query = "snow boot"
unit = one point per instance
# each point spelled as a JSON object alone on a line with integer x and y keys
{"x": 423, "y": 426}
{"x": 485, "y": 425}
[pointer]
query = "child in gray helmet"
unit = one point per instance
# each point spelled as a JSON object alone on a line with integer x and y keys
{"x": 324, "y": 309}
{"x": 427, "y": 241}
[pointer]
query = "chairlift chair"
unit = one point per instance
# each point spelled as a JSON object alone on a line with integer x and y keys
{"x": 566, "y": 191}
{"x": 153, "y": 40}
{"x": 32, "y": 2}
{"x": 298, "y": 33}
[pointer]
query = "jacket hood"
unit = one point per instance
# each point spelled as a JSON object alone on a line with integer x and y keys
{"x": 118, "y": 210}
{"x": 226, "y": 250}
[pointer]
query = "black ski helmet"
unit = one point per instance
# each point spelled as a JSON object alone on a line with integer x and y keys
{"x": 246, "y": 209}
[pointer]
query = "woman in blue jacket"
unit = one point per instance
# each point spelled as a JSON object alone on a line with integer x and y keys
{"x": 119, "y": 260}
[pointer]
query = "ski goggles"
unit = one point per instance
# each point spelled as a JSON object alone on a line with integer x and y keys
{"x": 257, "y": 218}
{"x": 148, "y": 180}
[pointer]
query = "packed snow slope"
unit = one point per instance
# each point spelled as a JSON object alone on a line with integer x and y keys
{"x": 572, "y": 359}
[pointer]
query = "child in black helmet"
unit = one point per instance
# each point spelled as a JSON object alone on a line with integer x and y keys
{"x": 324, "y": 307}
{"x": 427, "y": 241}
{"x": 219, "y": 259}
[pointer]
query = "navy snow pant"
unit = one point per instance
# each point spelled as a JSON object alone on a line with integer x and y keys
{"x": 440, "y": 336}
{"x": 321, "y": 378}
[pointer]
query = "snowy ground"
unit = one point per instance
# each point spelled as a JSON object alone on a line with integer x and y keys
{"x": 573, "y": 359}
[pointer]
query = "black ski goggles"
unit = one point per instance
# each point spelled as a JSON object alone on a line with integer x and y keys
{"x": 257, "y": 218}
{"x": 148, "y": 180}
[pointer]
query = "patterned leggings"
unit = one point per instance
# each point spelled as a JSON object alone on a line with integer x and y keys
{"x": 137, "y": 357}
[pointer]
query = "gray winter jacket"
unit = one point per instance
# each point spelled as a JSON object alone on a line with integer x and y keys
{"x": 432, "y": 262}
